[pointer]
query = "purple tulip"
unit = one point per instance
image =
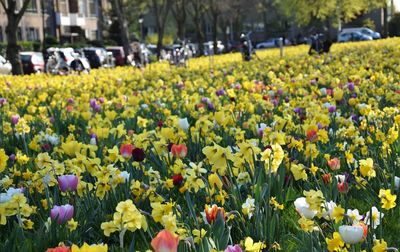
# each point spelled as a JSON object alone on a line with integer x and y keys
{"x": 2, "y": 101}
{"x": 280, "y": 91}
{"x": 12, "y": 157}
{"x": 210, "y": 106}
{"x": 220, "y": 92}
{"x": 14, "y": 119}
{"x": 353, "y": 95}
{"x": 350, "y": 86}
{"x": 235, "y": 248}
{"x": 62, "y": 213}
{"x": 298, "y": 110}
{"x": 204, "y": 99}
{"x": 93, "y": 103}
{"x": 68, "y": 182}
{"x": 332, "y": 108}
{"x": 97, "y": 108}
{"x": 70, "y": 100}
{"x": 101, "y": 100}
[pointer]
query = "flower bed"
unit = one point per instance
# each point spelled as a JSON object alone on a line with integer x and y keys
{"x": 293, "y": 154}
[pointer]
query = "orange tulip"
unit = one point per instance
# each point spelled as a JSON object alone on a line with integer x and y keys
{"x": 165, "y": 241}
{"x": 212, "y": 213}
{"x": 334, "y": 164}
{"x": 312, "y": 135}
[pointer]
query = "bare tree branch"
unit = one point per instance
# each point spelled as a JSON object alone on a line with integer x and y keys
{"x": 3, "y": 3}
{"x": 22, "y": 10}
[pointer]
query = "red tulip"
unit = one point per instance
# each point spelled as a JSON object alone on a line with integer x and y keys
{"x": 126, "y": 150}
{"x": 58, "y": 249}
{"x": 343, "y": 187}
{"x": 177, "y": 179}
{"x": 179, "y": 150}
{"x": 165, "y": 241}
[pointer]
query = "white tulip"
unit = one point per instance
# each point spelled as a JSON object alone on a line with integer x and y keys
{"x": 303, "y": 208}
{"x": 184, "y": 124}
{"x": 396, "y": 182}
{"x": 351, "y": 234}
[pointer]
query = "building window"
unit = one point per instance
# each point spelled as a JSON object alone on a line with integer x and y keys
{"x": 32, "y": 6}
{"x": 82, "y": 8}
{"x": 92, "y": 8}
{"x": 63, "y": 7}
{"x": 73, "y": 6}
{"x": 93, "y": 35}
{"x": 32, "y": 34}
{"x": 19, "y": 33}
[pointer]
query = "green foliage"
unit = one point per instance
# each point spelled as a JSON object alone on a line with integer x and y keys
{"x": 303, "y": 11}
{"x": 153, "y": 38}
{"x": 369, "y": 23}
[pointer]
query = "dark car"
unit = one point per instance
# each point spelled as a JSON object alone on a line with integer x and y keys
{"x": 99, "y": 57}
{"x": 32, "y": 62}
{"x": 118, "y": 53}
{"x": 94, "y": 56}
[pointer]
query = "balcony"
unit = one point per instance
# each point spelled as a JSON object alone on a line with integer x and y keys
{"x": 71, "y": 19}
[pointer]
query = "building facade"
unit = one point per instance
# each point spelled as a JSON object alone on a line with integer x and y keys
{"x": 66, "y": 20}
{"x": 31, "y": 25}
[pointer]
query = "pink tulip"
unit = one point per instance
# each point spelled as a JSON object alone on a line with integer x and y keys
{"x": 14, "y": 119}
{"x": 235, "y": 248}
{"x": 68, "y": 182}
{"x": 165, "y": 241}
{"x": 62, "y": 213}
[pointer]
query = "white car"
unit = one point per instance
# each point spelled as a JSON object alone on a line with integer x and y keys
{"x": 5, "y": 66}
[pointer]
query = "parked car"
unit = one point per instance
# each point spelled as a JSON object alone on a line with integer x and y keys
{"x": 70, "y": 55}
{"x": 353, "y": 36}
{"x": 270, "y": 43}
{"x": 32, "y": 62}
{"x": 99, "y": 57}
{"x": 5, "y": 66}
{"x": 56, "y": 62}
{"x": 364, "y": 31}
{"x": 209, "y": 47}
{"x": 118, "y": 53}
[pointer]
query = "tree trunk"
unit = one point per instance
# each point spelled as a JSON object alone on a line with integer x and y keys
{"x": 117, "y": 4}
{"x": 12, "y": 45}
{"x": 385, "y": 21}
{"x": 160, "y": 34}
{"x": 200, "y": 37}
{"x": 181, "y": 30}
{"x": 215, "y": 32}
